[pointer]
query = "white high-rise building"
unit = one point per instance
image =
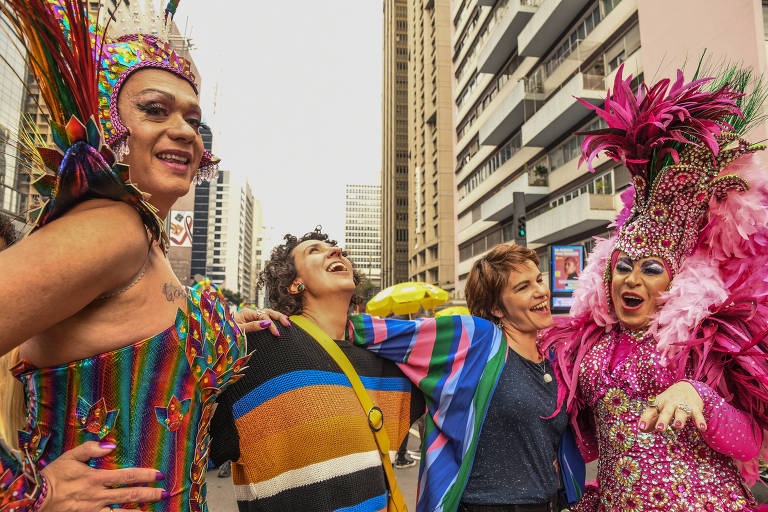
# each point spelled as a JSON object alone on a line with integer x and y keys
{"x": 362, "y": 230}
{"x": 230, "y": 235}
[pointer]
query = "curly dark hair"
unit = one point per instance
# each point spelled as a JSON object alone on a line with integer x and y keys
{"x": 7, "y": 231}
{"x": 280, "y": 272}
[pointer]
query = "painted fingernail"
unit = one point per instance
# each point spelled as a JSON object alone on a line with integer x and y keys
{"x": 660, "y": 426}
{"x": 265, "y": 323}
{"x": 165, "y": 495}
{"x": 702, "y": 426}
{"x": 678, "y": 423}
{"x": 159, "y": 476}
{"x": 641, "y": 425}
{"x": 107, "y": 446}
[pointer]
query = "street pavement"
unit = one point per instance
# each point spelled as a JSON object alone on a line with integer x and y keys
{"x": 221, "y": 494}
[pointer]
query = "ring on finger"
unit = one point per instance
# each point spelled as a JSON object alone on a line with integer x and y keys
{"x": 652, "y": 402}
{"x": 684, "y": 407}
{"x": 261, "y": 313}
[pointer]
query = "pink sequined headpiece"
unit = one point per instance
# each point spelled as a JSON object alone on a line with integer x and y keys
{"x": 674, "y": 143}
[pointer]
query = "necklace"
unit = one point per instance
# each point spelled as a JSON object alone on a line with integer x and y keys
{"x": 541, "y": 366}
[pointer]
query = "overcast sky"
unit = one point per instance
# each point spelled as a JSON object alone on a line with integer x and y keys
{"x": 297, "y": 91}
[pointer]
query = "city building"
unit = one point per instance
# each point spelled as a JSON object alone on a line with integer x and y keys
{"x": 519, "y": 67}
{"x": 259, "y": 254}
{"x": 12, "y": 201}
{"x": 431, "y": 248}
{"x": 362, "y": 230}
{"x": 394, "y": 170}
{"x": 230, "y": 247}
{"x": 201, "y": 208}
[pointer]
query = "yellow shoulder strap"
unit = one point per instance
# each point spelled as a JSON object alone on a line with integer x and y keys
{"x": 375, "y": 416}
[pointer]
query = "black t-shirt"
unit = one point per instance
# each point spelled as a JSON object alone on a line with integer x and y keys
{"x": 517, "y": 449}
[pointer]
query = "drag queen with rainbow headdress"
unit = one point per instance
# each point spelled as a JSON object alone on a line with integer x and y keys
{"x": 663, "y": 360}
{"x": 121, "y": 365}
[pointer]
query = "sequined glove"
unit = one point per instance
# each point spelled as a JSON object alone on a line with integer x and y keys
{"x": 729, "y": 431}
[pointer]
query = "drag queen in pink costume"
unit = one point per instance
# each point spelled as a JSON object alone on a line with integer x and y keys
{"x": 663, "y": 360}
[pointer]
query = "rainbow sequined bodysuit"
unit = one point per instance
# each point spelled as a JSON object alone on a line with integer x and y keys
{"x": 153, "y": 399}
{"x": 670, "y": 471}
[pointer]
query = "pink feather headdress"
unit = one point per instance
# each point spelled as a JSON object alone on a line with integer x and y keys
{"x": 699, "y": 200}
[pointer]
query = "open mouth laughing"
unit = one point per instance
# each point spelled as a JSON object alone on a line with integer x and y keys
{"x": 542, "y": 307}
{"x": 631, "y": 301}
{"x": 336, "y": 266}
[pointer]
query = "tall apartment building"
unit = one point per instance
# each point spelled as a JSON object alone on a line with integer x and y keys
{"x": 431, "y": 248}
{"x": 519, "y": 66}
{"x": 201, "y": 207}
{"x": 259, "y": 253}
{"x": 230, "y": 248}
{"x": 11, "y": 102}
{"x": 362, "y": 229}
{"x": 394, "y": 169}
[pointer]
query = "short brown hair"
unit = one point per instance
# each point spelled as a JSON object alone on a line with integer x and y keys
{"x": 280, "y": 272}
{"x": 489, "y": 275}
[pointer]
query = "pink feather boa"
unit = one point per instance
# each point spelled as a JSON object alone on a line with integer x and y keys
{"x": 713, "y": 323}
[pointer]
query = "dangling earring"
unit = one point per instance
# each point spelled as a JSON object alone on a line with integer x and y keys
{"x": 207, "y": 173}
{"x": 122, "y": 150}
{"x": 300, "y": 287}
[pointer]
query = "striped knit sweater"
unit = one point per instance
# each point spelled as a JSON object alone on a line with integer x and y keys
{"x": 296, "y": 432}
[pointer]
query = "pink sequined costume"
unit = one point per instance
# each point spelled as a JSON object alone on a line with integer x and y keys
{"x": 705, "y": 213}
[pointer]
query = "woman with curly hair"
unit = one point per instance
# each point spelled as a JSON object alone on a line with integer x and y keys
{"x": 293, "y": 426}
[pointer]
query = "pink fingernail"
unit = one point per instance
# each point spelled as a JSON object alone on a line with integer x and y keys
{"x": 641, "y": 425}
{"x": 107, "y": 446}
{"x": 159, "y": 476}
{"x": 165, "y": 495}
{"x": 265, "y": 323}
{"x": 678, "y": 423}
{"x": 660, "y": 426}
{"x": 702, "y": 426}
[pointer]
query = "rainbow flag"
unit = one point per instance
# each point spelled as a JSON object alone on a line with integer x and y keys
{"x": 456, "y": 362}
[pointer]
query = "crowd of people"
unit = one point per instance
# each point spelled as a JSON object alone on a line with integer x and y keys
{"x": 119, "y": 384}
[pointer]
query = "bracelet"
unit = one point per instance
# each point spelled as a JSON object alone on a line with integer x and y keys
{"x": 42, "y": 496}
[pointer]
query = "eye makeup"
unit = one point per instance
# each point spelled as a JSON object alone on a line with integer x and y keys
{"x": 624, "y": 265}
{"x": 652, "y": 267}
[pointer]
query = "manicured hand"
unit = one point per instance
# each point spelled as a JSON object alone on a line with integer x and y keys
{"x": 674, "y": 407}
{"x": 250, "y": 320}
{"x": 74, "y": 486}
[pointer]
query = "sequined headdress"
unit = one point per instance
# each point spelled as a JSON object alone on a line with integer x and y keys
{"x": 80, "y": 72}
{"x": 675, "y": 142}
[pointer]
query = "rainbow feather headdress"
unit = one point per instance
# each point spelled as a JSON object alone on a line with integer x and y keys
{"x": 80, "y": 72}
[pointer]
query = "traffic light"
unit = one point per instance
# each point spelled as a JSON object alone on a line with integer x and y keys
{"x": 521, "y": 228}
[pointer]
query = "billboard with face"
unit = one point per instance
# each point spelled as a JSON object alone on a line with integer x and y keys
{"x": 567, "y": 264}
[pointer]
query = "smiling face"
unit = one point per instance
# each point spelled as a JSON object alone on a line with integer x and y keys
{"x": 162, "y": 112}
{"x": 322, "y": 269}
{"x": 635, "y": 288}
{"x": 525, "y": 300}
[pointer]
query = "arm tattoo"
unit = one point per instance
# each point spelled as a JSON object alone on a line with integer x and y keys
{"x": 173, "y": 292}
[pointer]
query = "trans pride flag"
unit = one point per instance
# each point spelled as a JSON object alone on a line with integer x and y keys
{"x": 456, "y": 362}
